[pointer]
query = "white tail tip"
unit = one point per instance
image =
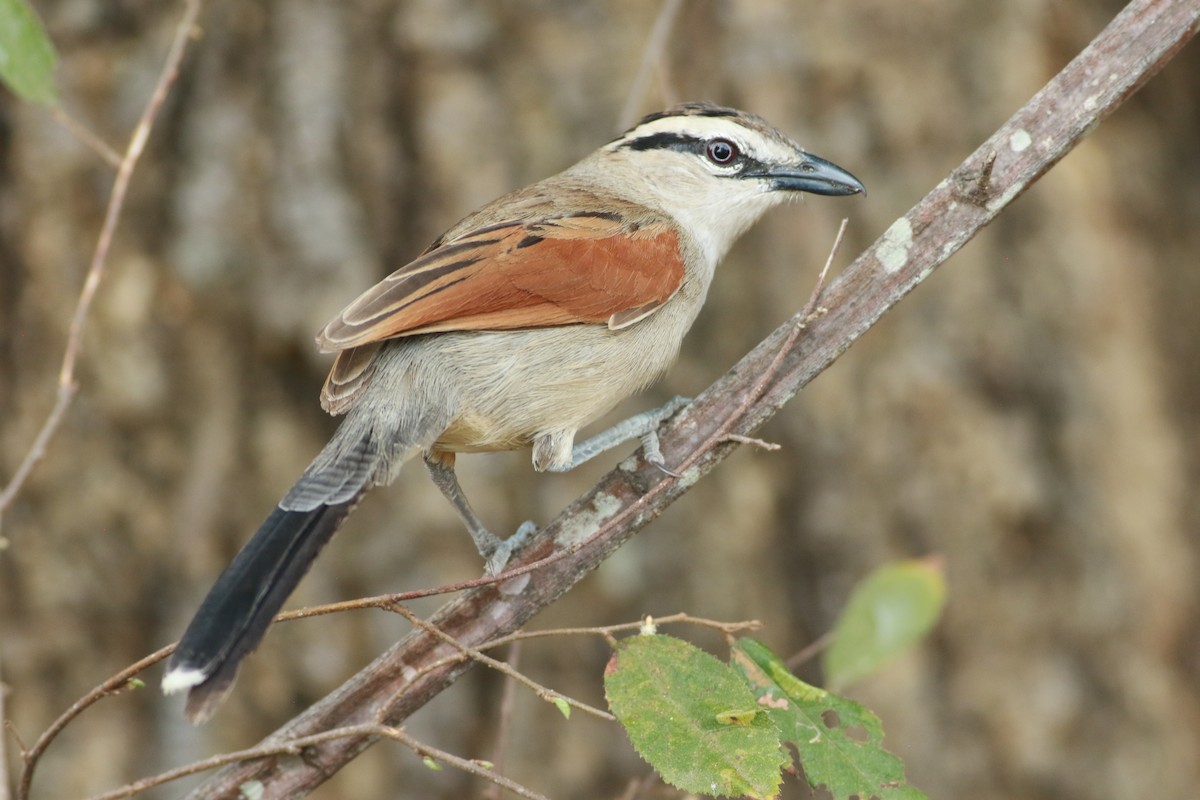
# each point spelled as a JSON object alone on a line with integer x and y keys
{"x": 180, "y": 678}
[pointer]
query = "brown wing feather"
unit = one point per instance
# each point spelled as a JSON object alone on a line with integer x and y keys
{"x": 351, "y": 372}
{"x": 592, "y": 268}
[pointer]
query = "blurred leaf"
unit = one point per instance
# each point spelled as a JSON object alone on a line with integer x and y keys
{"x": 431, "y": 763}
{"x": 840, "y": 742}
{"x": 26, "y": 55}
{"x": 562, "y": 705}
{"x": 672, "y": 697}
{"x": 889, "y": 612}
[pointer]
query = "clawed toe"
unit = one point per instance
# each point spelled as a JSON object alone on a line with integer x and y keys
{"x": 502, "y": 549}
{"x": 653, "y": 453}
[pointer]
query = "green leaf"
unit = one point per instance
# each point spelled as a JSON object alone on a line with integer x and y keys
{"x": 431, "y": 763}
{"x": 889, "y": 612}
{"x": 840, "y": 742}
{"x": 26, "y": 55}
{"x": 676, "y": 702}
{"x": 562, "y": 705}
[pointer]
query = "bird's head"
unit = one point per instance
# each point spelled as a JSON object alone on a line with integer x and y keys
{"x": 715, "y": 170}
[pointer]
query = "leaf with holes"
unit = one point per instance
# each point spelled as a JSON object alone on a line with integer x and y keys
{"x": 840, "y": 742}
{"x": 26, "y": 55}
{"x": 693, "y": 718}
{"x": 888, "y": 613}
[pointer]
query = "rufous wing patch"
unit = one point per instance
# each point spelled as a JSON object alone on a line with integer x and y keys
{"x": 588, "y": 268}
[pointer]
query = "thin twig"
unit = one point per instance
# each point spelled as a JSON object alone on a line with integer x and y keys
{"x": 3, "y": 755}
{"x": 761, "y": 444}
{"x": 605, "y": 631}
{"x": 466, "y": 765}
{"x": 476, "y": 654}
{"x": 296, "y": 747}
{"x": 196, "y": 767}
{"x": 724, "y": 431}
{"x": 95, "y": 274}
{"x": 652, "y": 56}
{"x": 11, "y": 729}
{"x": 66, "y": 377}
{"x": 114, "y": 685}
{"x": 814, "y": 300}
{"x": 508, "y": 699}
{"x": 386, "y": 601}
{"x": 810, "y": 650}
{"x": 85, "y": 135}
{"x": 608, "y": 630}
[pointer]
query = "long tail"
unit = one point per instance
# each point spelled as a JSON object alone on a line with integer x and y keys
{"x": 396, "y": 417}
{"x": 241, "y": 604}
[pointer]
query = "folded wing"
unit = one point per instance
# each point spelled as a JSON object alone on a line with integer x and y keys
{"x": 587, "y": 268}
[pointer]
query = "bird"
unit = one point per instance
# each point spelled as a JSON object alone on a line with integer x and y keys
{"x": 525, "y": 322}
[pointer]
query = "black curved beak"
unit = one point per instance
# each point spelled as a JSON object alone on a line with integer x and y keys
{"x": 812, "y": 174}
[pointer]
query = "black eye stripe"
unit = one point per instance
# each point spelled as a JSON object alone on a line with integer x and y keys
{"x": 667, "y": 141}
{"x": 739, "y": 162}
{"x": 685, "y": 143}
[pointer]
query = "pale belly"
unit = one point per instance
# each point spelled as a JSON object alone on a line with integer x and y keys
{"x": 547, "y": 382}
{"x": 509, "y": 388}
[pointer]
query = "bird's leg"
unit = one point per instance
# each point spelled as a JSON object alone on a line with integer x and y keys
{"x": 642, "y": 426}
{"x": 494, "y": 550}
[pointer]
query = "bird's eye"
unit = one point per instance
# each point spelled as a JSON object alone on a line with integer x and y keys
{"x": 722, "y": 151}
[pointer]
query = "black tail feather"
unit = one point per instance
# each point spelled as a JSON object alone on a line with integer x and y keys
{"x": 240, "y": 606}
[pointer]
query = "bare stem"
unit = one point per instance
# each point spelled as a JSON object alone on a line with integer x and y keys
{"x": 811, "y": 650}
{"x": 296, "y": 746}
{"x": 652, "y": 57}
{"x": 504, "y": 724}
{"x": 477, "y": 655}
{"x": 114, "y": 685}
{"x": 95, "y": 274}
{"x": 85, "y": 135}
{"x": 3, "y": 756}
{"x": 66, "y": 376}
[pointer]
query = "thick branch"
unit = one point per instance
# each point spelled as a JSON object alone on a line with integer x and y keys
{"x": 1142, "y": 38}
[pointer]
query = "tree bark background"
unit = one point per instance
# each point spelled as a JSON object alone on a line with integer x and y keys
{"x": 1030, "y": 414}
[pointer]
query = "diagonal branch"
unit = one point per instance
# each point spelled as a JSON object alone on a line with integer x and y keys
{"x": 1132, "y": 48}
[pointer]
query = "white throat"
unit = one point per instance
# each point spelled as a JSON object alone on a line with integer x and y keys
{"x": 715, "y": 227}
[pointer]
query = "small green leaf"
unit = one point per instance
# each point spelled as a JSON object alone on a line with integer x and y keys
{"x": 26, "y": 55}
{"x": 562, "y": 705}
{"x": 669, "y": 695}
{"x": 429, "y": 762}
{"x": 839, "y": 741}
{"x": 889, "y": 612}
{"x": 135, "y": 683}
